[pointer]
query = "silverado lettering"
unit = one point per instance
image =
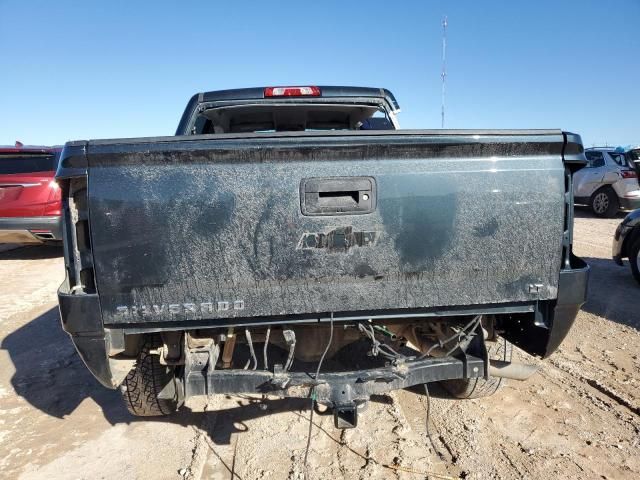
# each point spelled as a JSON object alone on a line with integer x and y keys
{"x": 174, "y": 308}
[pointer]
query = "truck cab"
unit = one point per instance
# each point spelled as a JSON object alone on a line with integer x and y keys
{"x": 289, "y": 109}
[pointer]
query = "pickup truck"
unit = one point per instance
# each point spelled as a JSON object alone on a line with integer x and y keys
{"x": 292, "y": 241}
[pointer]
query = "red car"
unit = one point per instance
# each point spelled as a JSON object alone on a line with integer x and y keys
{"x": 30, "y": 199}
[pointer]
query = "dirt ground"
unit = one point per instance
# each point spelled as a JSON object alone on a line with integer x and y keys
{"x": 578, "y": 418}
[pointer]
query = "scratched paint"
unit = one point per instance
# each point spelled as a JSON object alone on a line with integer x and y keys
{"x": 455, "y": 224}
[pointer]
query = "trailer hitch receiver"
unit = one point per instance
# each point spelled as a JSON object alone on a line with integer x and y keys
{"x": 345, "y": 416}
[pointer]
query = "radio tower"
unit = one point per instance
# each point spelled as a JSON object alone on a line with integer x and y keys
{"x": 444, "y": 62}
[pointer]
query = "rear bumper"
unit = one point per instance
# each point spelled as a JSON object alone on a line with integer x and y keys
{"x": 542, "y": 335}
{"x": 30, "y": 229}
{"x": 81, "y": 319}
{"x": 629, "y": 203}
{"x": 572, "y": 294}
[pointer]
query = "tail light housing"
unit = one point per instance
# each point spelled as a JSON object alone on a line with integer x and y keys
{"x": 628, "y": 174}
{"x": 78, "y": 254}
{"x": 77, "y": 215}
{"x": 54, "y": 203}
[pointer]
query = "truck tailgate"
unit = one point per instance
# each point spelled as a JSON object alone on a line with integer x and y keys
{"x": 262, "y": 225}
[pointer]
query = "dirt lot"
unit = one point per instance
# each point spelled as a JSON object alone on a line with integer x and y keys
{"x": 578, "y": 418}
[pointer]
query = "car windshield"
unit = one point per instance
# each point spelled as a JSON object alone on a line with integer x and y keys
{"x": 21, "y": 163}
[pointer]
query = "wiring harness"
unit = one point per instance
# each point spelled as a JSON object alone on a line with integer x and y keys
{"x": 378, "y": 347}
{"x": 463, "y": 336}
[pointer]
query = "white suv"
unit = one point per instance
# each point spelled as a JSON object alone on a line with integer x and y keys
{"x": 608, "y": 183}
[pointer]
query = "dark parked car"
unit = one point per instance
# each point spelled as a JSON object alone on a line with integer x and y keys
{"x": 626, "y": 242}
{"x": 283, "y": 226}
{"x": 30, "y": 201}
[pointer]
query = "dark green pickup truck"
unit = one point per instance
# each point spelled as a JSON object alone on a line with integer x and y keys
{"x": 292, "y": 241}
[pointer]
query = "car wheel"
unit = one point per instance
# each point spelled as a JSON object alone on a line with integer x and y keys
{"x": 634, "y": 259}
{"x": 604, "y": 203}
{"x": 144, "y": 383}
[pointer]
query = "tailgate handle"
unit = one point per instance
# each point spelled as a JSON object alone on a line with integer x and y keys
{"x": 338, "y": 195}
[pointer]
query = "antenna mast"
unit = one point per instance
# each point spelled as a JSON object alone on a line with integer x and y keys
{"x": 444, "y": 62}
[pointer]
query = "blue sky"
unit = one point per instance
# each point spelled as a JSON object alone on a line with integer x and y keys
{"x": 71, "y": 70}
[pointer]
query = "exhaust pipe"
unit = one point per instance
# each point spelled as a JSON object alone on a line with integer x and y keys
{"x": 497, "y": 368}
{"x": 512, "y": 371}
{"x": 42, "y": 235}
